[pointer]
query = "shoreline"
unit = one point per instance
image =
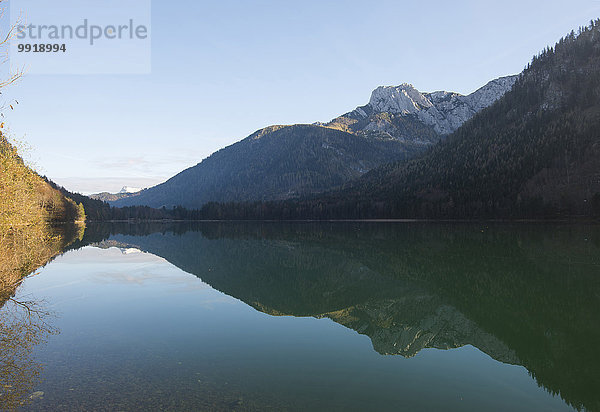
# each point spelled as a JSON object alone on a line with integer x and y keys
{"x": 566, "y": 221}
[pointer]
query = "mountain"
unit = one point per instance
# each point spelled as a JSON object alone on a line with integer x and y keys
{"x": 125, "y": 192}
{"x": 405, "y": 113}
{"x": 286, "y": 162}
{"x": 128, "y": 189}
{"x": 535, "y": 152}
{"x": 277, "y": 162}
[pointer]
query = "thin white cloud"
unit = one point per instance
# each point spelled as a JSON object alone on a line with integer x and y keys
{"x": 145, "y": 164}
{"x": 92, "y": 185}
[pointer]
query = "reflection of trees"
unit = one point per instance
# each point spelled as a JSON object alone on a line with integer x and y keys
{"x": 28, "y": 249}
{"x": 23, "y": 325}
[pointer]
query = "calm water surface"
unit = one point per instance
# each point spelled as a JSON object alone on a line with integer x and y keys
{"x": 321, "y": 317}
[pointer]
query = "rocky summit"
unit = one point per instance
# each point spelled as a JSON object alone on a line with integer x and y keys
{"x": 405, "y": 113}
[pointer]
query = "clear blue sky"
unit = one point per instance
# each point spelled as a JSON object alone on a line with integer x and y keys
{"x": 221, "y": 70}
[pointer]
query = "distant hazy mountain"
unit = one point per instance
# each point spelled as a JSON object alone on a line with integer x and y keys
{"x": 283, "y": 162}
{"x": 125, "y": 192}
{"x": 128, "y": 189}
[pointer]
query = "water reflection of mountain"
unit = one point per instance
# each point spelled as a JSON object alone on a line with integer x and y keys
{"x": 527, "y": 294}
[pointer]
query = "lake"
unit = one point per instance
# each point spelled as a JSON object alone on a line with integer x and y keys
{"x": 314, "y": 316}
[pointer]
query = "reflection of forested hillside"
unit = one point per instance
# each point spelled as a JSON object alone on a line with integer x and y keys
{"x": 29, "y": 248}
{"x": 526, "y": 294}
{"x": 23, "y": 324}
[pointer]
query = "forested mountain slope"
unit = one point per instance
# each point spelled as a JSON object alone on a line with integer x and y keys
{"x": 26, "y": 199}
{"x": 277, "y": 162}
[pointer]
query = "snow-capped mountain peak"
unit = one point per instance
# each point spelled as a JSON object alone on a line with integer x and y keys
{"x": 128, "y": 189}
